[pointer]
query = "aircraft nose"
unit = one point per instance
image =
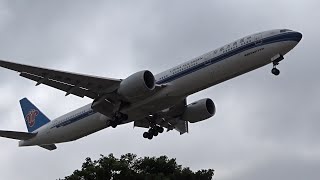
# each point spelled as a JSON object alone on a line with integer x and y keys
{"x": 298, "y": 36}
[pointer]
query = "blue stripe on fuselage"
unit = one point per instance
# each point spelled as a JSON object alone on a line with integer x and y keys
{"x": 74, "y": 119}
{"x": 292, "y": 36}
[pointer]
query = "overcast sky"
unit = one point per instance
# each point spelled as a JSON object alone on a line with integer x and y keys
{"x": 266, "y": 127}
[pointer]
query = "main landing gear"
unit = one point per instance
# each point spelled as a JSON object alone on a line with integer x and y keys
{"x": 275, "y": 61}
{"x": 118, "y": 118}
{"x": 154, "y": 131}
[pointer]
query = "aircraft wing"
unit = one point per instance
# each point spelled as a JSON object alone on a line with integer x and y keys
{"x": 72, "y": 83}
{"x": 176, "y": 123}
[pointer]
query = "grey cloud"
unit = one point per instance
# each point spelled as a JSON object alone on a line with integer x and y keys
{"x": 285, "y": 167}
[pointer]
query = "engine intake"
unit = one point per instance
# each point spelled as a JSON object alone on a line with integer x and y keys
{"x": 137, "y": 85}
{"x": 199, "y": 111}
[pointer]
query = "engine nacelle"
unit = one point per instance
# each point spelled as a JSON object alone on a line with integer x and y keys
{"x": 137, "y": 85}
{"x": 199, "y": 111}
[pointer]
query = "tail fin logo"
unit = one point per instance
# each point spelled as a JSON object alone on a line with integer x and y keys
{"x": 31, "y": 117}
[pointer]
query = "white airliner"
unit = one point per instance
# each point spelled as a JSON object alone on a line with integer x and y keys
{"x": 153, "y": 102}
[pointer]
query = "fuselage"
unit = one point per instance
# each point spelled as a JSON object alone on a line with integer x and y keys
{"x": 214, "y": 67}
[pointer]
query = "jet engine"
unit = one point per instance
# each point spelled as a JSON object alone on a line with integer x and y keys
{"x": 137, "y": 85}
{"x": 199, "y": 111}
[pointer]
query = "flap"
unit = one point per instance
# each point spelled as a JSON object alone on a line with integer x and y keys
{"x": 49, "y": 147}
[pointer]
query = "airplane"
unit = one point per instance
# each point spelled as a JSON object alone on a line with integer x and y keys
{"x": 155, "y": 102}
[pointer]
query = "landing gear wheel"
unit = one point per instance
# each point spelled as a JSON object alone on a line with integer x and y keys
{"x": 275, "y": 61}
{"x": 145, "y": 134}
{"x": 151, "y": 131}
{"x": 275, "y": 71}
{"x": 160, "y": 129}
{"x": 155, "y": 133}
{"x": 113, "y": 124}
{"x": 150, "y": 136}
{"x": 118, "y": 118}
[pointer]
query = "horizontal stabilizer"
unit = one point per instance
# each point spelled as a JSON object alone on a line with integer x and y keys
{"x": 17, "y": 135}
{"x": 49, "y": 147}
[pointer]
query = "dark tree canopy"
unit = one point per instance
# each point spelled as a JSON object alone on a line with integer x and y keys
{"x": 133, "y": 168}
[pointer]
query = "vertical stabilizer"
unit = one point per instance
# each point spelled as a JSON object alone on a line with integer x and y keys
{"x": 34, "y": 118}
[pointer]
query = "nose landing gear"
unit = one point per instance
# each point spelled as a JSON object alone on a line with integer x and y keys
{"x": 275, "y": 70}
{"x": 275, "y": 61}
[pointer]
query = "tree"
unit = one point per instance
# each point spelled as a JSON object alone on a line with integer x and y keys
{"x": 131, "y": 167}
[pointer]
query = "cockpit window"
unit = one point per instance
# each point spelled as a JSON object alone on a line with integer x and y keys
{"x": 284, "y": 30}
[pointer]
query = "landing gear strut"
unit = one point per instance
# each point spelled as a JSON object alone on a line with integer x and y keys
{"x": 275, "y": 61}
{"x": 118, "y": 118}
{"x": 154, "y": 131}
